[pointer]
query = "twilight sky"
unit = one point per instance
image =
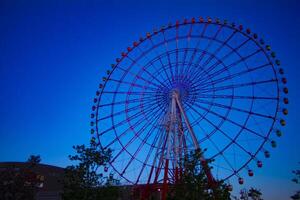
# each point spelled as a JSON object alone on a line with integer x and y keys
{"x": 53, "y": 55}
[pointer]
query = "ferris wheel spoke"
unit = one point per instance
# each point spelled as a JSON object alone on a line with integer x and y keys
{"x": 191, "y": 60}
{"x": 183, "y": 63}
{"x": 197, "y": 63}
{"x": 122, "y": 111}
{"x": 124, "y": 132}
{"x": 204, "y": 52}
{"x": 185, "y": 50}
{"x": 141, "y": 145}
{"x": 144, "y": 69}
{"x": 204, "y": 114}
{"x": 148, "y": 154}
{"x": 126, "y": 120}
{"x": 226, "y": 160}
{"x": 118, "y": 113}
{"x": 232, "y": 122}
{"x": 117, "y": 138}
{"x": 147, "y": 112}
{"x": 176, "y": 51}
{"x": 145, "y": 99}
{"x": 138, "y": 77}
{"x": 132, "y": 84}
{"x": 151, "y": 63}
{"x": 161, "y": 159}
{"x": 223, "y": 44}
{"x": 233, "y": 140}
{"x": 233, "y": 50}
{"x": 206, "y": 135}
{"x": 150, "y": 105}
{"x": 193, "y": 55}
{"x": 231, "y": 76}
{"x": 226, "y": 68}
{"x": 161, "y": 155}
{"x": 127, "y": 92}
{"x": 198, "y": 43}
{"x": 148, "y": 59}
{"x": 234, "y": 86}
{"x": 168, "y": 55}
{"x": 165, "y": 71}
{"x": 203, "y": 75}
{"x": 219, "y": 150}
{"x": 137, "y": 134}
{"x": 189, "y": 34}
{"x": 242, "y": 59}
{"x": 155, "y": 159}
{"x": 182, "y": 70}
{"x": 235, "y": 108}
{"x": 221, "y": 167}
{"x": 236, "y": 97}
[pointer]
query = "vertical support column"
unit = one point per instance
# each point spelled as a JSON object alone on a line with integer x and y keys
{"x": 181, "y": 144}
{"x": 165, "y": 184}
{"x": 187, "y": 122}
{"x": 175, "y": 144}
{"x": 170, "y": 145}
{"x": 174, "y": 141}
{"x": 191, "y": 131}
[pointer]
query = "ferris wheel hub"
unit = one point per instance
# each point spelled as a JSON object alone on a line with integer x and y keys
{"x": 175, "y": 92}
{"x": 181, "y": 88}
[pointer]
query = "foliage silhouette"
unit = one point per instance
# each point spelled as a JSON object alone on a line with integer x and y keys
{"x": 84, "y": 181}
{"x": 194, "y": 185}
{"x": 20, "y": 182}
{"x": 296, "y": 180}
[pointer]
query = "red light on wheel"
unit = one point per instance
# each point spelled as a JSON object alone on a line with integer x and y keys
{"x": 250, "y": 172}
{"x": 241, "y": 181}
{"x": 259, "y": 164}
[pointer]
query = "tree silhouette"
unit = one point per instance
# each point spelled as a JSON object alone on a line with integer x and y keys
{"x": 20, "y": 182}
{"x": 251, "y": 194}
{"x": 255, "y": 194}
{"x": 33, "y": 160}
{"x": 83, "y": 181}
{"x": 193, "y": 184}
{"x": 296, "y": 180}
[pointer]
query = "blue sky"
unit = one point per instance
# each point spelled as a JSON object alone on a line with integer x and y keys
{"x": 53, "y": 55}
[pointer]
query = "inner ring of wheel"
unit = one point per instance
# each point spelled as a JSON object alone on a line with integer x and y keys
{"x": 166, "y": 91}
{"x": 202, "y": 117}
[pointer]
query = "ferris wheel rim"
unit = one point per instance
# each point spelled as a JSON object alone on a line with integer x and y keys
{"x": 275, "y": 115}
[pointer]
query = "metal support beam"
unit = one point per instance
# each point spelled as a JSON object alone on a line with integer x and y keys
{"x": 174, "y": 141}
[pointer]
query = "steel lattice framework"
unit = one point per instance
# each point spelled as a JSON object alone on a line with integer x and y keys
{"x": 198, "y": 83}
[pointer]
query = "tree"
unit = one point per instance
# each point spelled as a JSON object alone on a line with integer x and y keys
{"x": 84, "y": 181}
{"x": 255, "y": 194}
{"x": 33, "y": 160}
{"x": 296, "y": 180}
{"x": 193, "y": 183}
{"x": 251, "y": 194}
{"x": 20, "y": 182}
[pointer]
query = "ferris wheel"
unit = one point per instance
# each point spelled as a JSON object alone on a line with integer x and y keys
{"x": 195, "y": 84}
